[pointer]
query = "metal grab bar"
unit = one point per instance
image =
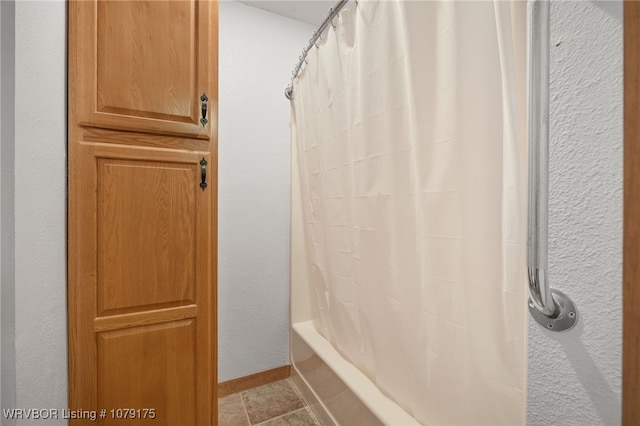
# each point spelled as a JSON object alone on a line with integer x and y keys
{"x": 550, "y": 308}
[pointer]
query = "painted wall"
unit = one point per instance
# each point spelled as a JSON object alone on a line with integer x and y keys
{"x": 40, "y": 205}
{"x": 574, "y": 378}
{"x": 258, "y": 50}
{"x": 33, "y": 167}
{"x": 7, "y": 204}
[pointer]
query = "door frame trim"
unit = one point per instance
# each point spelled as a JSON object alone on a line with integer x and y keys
{"x": 631, "y": 217}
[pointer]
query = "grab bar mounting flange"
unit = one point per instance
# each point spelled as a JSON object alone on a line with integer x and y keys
{"x": 565, "y": 319}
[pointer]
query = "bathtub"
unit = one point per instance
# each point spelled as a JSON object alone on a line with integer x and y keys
{"x": 336, "y": 391}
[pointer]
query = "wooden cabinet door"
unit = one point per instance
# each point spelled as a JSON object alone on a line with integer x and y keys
{"x": 142, "y": 213}
{"x": 145, "y": 64}
{"x": 142, "y": 322}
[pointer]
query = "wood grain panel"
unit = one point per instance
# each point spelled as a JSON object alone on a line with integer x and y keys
{"x": 146, "y": 234}
{"x": 149, "y": 368}
{"x": 141, "y": 233}
{"x": 109, "y": 150}
{"x": 631, "y": 244}
{"x": 94, "y": 134}
{"x": 112, "y": 263}
{"x": 253, "y": 380}
{"x": 137, "y": 319}
{"x": 144, "y": 65}
{"x": 143, "y": 68}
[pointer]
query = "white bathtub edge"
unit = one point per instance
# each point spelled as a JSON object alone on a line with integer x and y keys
{"x": 312, "y": 399}
{"x": 386, "y": 410}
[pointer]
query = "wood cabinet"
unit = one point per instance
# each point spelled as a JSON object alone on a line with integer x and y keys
{"x": 144, "y": 64}
{"x": 142, "y": 210}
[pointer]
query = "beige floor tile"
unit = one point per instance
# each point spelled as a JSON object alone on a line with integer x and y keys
{"x": 231, "y": 411}
{"x": 272, "y": 400}
{"x": 302, "y": 417}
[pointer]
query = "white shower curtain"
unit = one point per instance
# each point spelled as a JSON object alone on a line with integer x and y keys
{"x": 409, "y": 123}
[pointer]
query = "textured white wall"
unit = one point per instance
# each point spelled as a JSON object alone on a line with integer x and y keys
{"x": 257, "y": 53}
{"x": 40, "y": 205}
{"x": 32, "y": 164}
{"x": 7, "y": 206}
{"x": 33, "y": 209}
{"x": 574, "y": 378}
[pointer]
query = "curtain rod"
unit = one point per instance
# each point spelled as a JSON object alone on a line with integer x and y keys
{"x": 288, "y": 92}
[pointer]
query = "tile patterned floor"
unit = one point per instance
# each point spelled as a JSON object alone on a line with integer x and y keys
{"x": 275, "y": 404}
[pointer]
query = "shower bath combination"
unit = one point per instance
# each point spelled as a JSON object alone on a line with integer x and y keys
{"x": 409, "y": 218}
